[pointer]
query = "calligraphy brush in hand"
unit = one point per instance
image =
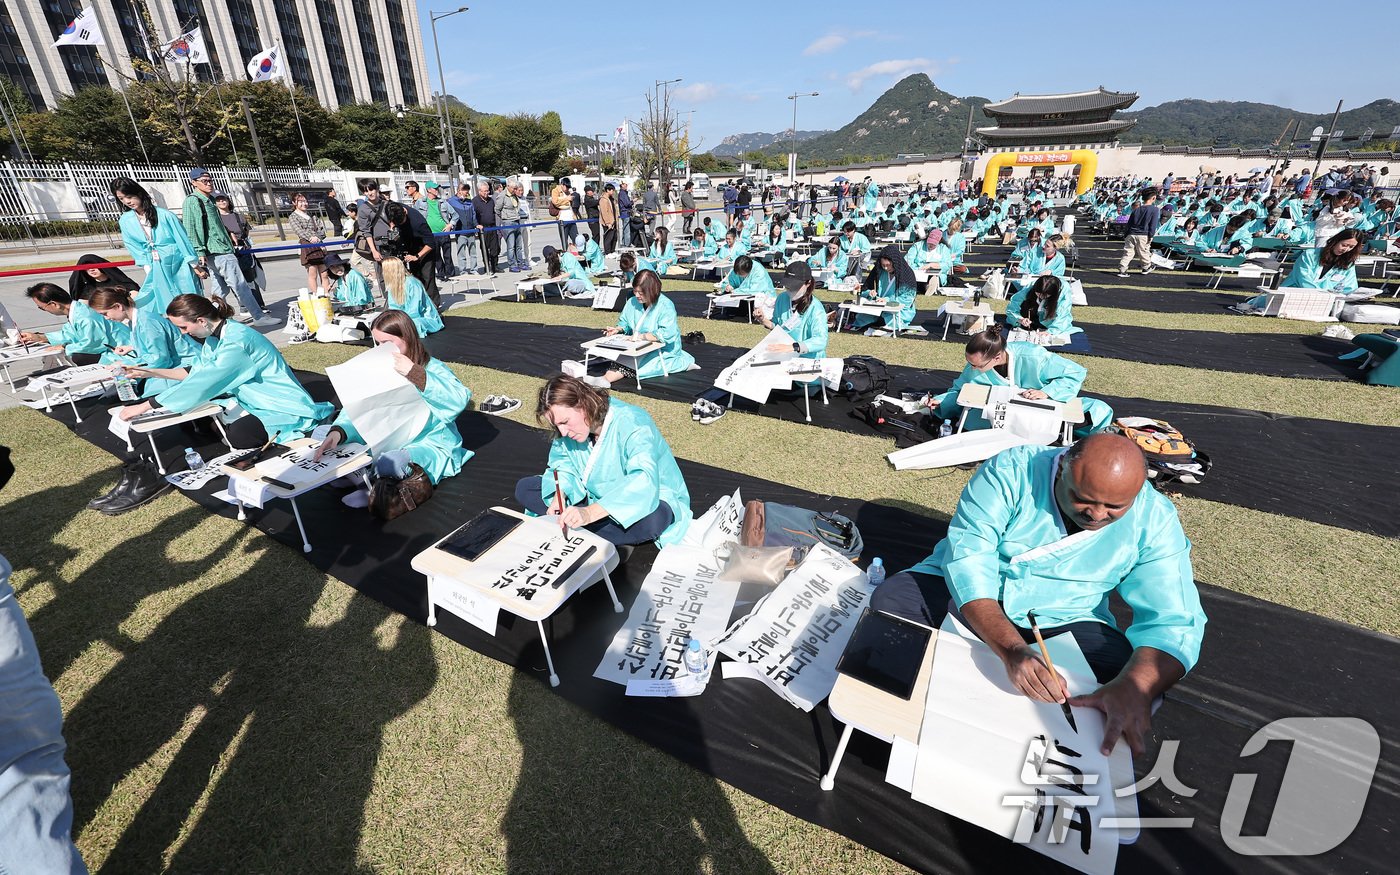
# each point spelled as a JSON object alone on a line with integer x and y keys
{"x": 1045, "y": 654}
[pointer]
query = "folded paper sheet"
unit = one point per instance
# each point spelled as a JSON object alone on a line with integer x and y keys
{"x": 758, "y": 372}
{"x": 388, "y": 411}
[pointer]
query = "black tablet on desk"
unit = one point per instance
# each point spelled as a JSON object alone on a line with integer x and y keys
{"x": 885, "y": 651}
{"x": 481, "y": 534}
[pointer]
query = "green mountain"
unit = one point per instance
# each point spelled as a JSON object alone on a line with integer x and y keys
{"x": 1249, "y": 125}
{"x": 913, "y": 116}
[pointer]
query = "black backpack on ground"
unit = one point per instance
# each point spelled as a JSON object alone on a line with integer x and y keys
{"x": 863, "y": 377}
{"x": 907, "y": 429}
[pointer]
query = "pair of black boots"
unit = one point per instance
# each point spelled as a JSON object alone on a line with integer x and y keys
{"x": 140, "y": 483}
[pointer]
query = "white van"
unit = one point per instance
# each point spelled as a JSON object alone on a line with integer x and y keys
{"x": 702, "y": 185}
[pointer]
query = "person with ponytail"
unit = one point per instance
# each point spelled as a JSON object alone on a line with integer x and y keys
{"x": 616, "y": 472}
{"x": 403, "y": 291}
{"x": 1037, "y": 372}
{"x": 437, "y": 448}
{"x": 237, "y": 361}
{"x": 565, "y": 269}
{"x": 155, "y": 341}
{"x": 892, "y": 281}
{"x": 157, "y": 242}
{"x": 87, "y": 339}
{"x": 1047, "y": 305}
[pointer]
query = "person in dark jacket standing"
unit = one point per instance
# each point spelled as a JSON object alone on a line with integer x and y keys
{"x": 1142, "y": 225}
{"x": 590, "y": 210}
{"x": 335, "y": 213}
{"x": 688, "y": 205}
{"x": 486, "y": 218}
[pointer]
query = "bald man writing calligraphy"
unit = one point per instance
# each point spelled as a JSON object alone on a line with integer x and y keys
{"x": 1053, "y": 532}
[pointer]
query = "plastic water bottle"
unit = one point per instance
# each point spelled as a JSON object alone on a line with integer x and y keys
{"x": 945, "y": 429}
{"x": 695, "y": 659}
{"x": 126, "y": 389}
{"x": 194, "y": 461}
{"x": 876, "y": 571}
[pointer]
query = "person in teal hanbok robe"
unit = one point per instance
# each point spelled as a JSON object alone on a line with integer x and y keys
{"x": 234, "y": 360}
{"x": 1045, "y": 305}
{"x": 155, "y": 341}
{"x": 615, "y": 472}
{"x": 349, "y": 288}
{"x": 1039, "y": 373}
{"x": 1054, "y": 532}
{"x": 648, "y": 316}
{"x": 87, "y": 339}
{"x": 437, "y": 448}
{"x": 893, "y": 281}
{"x": 403, "y": 291}
{"x": 157, "y": 241}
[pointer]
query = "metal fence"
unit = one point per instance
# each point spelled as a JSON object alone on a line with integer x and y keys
{"x": 43, "y": 204}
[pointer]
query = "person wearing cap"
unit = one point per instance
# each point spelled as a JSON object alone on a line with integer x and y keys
{"x": 441, "y": 220}
{"x": 464, "y": 245}
{"x": 800, "y": 314}
{"x": 591, "y": 254}
{"x": 934, "y": 256}
{"x": 348, "y": 286}
{"x": 214, "y": 248}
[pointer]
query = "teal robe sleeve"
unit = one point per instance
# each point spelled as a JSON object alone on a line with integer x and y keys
{"x": 1161, "y": 590}
{"x": 972, "y": 567}
{"x": 217, "y": 372}
{"x": 134, "y": 239}
{"x": 1055, "y": 375}
{"x": 638, "y": 492}
{"x": 352, "y": 290}
{"x": 418, "y": 306}
{"x": 631, "y": 316}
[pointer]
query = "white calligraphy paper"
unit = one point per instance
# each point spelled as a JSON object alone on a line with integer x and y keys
{"x": 386, "y": 409}
{"x": 797, "y": 633}
{"x": 758, "y": 372}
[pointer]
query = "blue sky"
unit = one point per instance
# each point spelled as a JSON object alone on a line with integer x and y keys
{"x": 850, "y": 53}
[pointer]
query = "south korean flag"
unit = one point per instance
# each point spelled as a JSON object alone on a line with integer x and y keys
{"x": 82, "y": 31}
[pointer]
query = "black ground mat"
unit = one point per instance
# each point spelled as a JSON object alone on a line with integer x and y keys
{"x": 741, "y": 733}
{"x": 1335, "y": 473}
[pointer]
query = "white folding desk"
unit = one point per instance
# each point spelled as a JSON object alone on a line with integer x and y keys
{"x": 958, "y": 308}
{"x": 726, "y": 300}
{"x": 871, "y": 309}
{"x": 99, "y": 376}
{"x": 715, "y": 265}
{"x": 973, "y": 396}
{"x": 876, "y": 712}
{"x": 333, "y": 470}
{"x": 152, "y": 424}
{"x": 542, "y": 283}
{"x": 634, "y": 356}
{"x": 10, "y": 355}
{"x": 461, "y": 586}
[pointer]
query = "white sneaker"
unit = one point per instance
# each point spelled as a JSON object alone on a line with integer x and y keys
{"x": 1124, "y": 275}
{"x": 596, "y": 382}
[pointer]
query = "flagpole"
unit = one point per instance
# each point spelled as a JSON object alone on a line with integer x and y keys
{"x": 140, "y": 142}
{"x": 287, "y": 78}
{"x": 223, "y": 106}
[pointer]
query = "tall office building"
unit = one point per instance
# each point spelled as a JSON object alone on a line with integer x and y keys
{"x": 343, "y": 51}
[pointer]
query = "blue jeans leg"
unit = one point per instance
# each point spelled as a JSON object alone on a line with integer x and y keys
{"x": 228, "y": 279}
{"x": 36, "y": 812}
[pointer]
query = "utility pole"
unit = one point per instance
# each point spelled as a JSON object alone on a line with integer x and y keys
{"x": 1322, "y": 146}
{"x": 262, "y": 167}
{"x": 792, "y": 174}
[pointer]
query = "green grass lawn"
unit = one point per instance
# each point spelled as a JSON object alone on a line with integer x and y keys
{"x": 231, "y": 708}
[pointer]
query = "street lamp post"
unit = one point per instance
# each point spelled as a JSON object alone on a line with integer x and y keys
{"x": 434, "y": 17}
{"x": 663, "y": 136}
{"x": 793, "y": 98}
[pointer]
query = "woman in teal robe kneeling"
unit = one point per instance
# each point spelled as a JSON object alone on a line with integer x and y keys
{"x": 1039, "y": 373}
{"x": 437, "y": 449}
{"x": 616, "y": 473}
{"x": 650, "y": 316}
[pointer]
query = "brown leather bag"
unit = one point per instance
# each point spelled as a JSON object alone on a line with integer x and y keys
{"x": 391, "y": 497}
{"x": 751, "y": 533}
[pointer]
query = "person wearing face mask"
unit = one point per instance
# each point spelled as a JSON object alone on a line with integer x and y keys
{"x": 1054, "y": 532}
{"x": 437, "y": 449}
{"x": 617, "y": 474}
{"x": 1037, "y": 372}
{"x": 233, "y": 360}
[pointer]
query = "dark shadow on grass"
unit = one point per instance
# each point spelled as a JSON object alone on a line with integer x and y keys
{"x": 290, "y": 715}
{"x": 586, "y": 800}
